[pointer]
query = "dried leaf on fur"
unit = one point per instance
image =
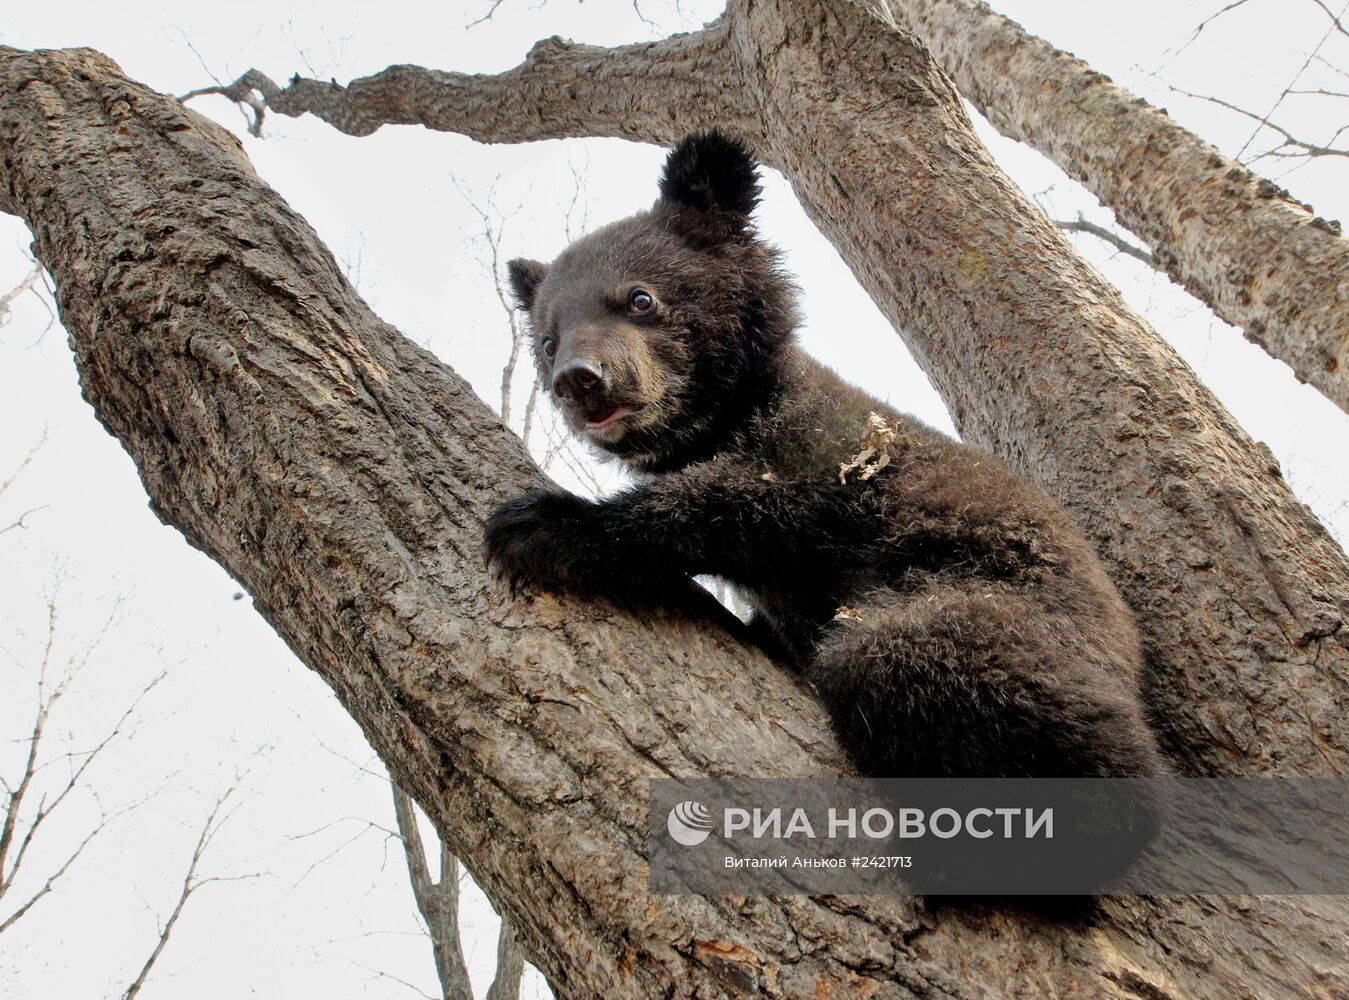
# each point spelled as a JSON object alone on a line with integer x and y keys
{"x": 847, "y": 614}
{"x": 875, "y": 449}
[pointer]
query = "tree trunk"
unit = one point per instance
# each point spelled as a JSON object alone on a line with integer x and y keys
{"x": 1261, "y": 260}
{"x": 342, "y": 475}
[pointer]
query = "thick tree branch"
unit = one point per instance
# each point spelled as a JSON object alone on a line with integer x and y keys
{"x": 561, "y": 90}
{"x": 342, "y": 474}
{"x": 1261, "y": 260}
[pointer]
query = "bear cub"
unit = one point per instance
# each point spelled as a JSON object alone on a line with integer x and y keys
{"x": 951, "y": 617}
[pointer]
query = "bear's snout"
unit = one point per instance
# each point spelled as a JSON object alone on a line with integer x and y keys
{"x": 578, "y": 380}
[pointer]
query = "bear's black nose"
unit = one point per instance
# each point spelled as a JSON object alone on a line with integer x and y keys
{"x": 577, "y": 379}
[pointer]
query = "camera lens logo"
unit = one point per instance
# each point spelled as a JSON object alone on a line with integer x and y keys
{"x": 689, "y": 823}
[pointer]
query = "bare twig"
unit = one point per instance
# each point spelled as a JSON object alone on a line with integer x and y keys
{"x": 55, "y": 876}
{"x": 17, "y": 791}
{"x": 86, "y": 758}
{"x": 1081, "y": 225}
{"x": 1264, "y": 121}
{"x": 365, "y": 827}
{"x": 1174, "y": 53}
{"x": 637, "y": 9}
{"x": 576, "y": 219}
{"x": 23, "y": 464}
{"x": 191, "y": 883}
{"x": 1334, "y": 20}
{"x": 1213, "y": 17}
{"x": 1320, "y": 92}
{"x": 493, "y": 222}
{"x": 1337, "y": 70}
{"x": 1298, "y": 147}
{"x": 560, "y": 448}
{"x": 18, "y": 832}
{"x": 18, "y": 522}
{"x": 44, "y": 292}
{"x": 381, "y": 974}
{"x": 252, "y": 90}
{"x": 13, "y": 476}
{"x": 486, "y": 17}
{"x": 219, "y": 82}
{"x": 27, "y": 283}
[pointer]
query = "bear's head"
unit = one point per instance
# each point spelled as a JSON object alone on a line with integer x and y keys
{"x": 660, "y": 334}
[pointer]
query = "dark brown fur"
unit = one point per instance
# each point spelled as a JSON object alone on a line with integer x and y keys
{"x": 979, "y": 635}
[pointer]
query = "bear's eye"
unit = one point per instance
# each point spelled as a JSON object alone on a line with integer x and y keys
{"x": 640, "y": 301}
{"x": 549, "y": 346}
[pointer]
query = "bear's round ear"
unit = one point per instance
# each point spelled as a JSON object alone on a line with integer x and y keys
{"x": 711, "y": 172}
{"x": 525, "y": 275}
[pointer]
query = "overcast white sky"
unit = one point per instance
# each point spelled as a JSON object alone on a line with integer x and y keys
{"x": 329, "y": 911}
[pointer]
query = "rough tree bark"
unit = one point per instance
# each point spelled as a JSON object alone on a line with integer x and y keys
{"x": 1261, "y": 260}
{"x": 342, "y": 474}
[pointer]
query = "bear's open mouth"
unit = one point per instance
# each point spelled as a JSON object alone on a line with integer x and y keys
{"x": 603, "y": 420}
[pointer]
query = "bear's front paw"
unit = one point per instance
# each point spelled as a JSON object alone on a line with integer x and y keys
{"x": 540, "y": 537}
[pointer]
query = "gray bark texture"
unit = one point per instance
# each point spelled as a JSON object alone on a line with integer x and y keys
{"x": 343, "y": 474}
{"x": 1261, "y": 260}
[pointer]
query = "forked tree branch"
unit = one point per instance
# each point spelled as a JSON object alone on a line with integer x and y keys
{"x": 1260, "y": 259}
{"x": 607, "y": 93}
{"x": 437, "y": 900}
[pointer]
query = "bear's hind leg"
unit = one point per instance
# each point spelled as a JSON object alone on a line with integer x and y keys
{"x": 973, "y": 680}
